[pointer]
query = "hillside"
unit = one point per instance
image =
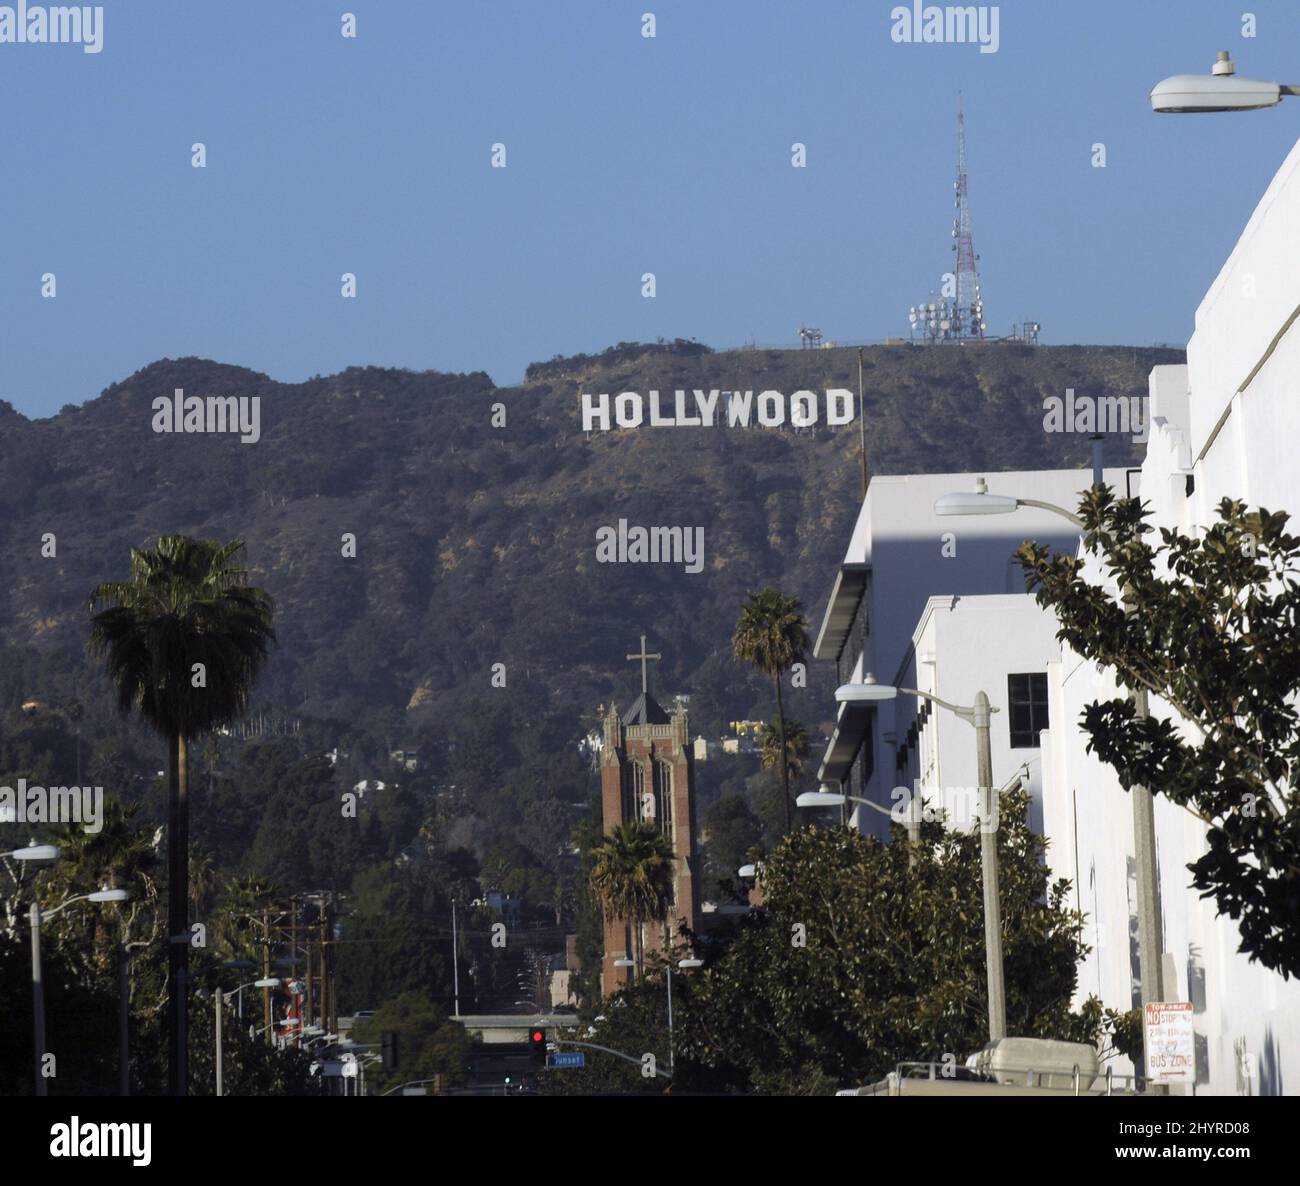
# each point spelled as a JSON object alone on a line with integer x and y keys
{"x": 476, "y": 544}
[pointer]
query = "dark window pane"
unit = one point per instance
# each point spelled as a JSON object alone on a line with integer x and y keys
{"x": 1027, "y": 708}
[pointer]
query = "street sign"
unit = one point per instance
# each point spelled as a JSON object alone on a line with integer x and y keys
{"x": 1170, "y": 1042}
{"x": 565, "y": 1059}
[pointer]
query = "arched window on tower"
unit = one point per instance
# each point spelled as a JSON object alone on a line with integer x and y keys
{"x": 664, "y": 799}
{"x": 633, "y": 791}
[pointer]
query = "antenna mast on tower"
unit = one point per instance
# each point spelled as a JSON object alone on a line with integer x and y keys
{"x": 957, "y": 313}
{"x": 968, "y": 312}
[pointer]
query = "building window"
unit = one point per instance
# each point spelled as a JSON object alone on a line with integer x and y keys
{"x": 633, "y": 791}
{"x": 1027, "y": 696}
{"x": 664, "y": 798}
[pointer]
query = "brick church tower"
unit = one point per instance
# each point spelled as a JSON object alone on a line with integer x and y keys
{"x": 646, "y": 773}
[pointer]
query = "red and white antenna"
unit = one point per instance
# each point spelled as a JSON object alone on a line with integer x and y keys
{"x": 968, "y": 322}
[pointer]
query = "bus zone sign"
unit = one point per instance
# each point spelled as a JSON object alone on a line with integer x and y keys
{"x": 1170, "y": 1043}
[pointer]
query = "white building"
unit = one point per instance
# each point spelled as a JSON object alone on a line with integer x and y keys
{"x": 901, "y": 555}
{"x": 1225, "y": 425}
{"x": 1001, "y": 644}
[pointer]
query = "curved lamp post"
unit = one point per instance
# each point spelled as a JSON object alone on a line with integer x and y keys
{"x": 979, "y": 715}
{"x": 981, "y": 502}
{"x": 218, "y": 1002}
{"x": 825, "y": 798}
{"x": 39, "y": 917}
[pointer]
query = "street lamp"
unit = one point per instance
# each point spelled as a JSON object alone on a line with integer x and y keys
{"x": 38, "y": 917}
{"x": 1221, "y": 90}
{"x": 690, "y": 962}
{"x": 980, "y": 502}
{"x": 825, "y": 798}
{"x": 1150, "y": 928}
{"x": 980, "y": 716}
{"x": 218, "y": 1003}
{"x": 37, "y": 854}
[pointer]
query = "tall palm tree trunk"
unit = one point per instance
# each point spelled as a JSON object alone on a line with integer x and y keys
{"x": 785, "y": 765}
{"x": 178, "y": 923}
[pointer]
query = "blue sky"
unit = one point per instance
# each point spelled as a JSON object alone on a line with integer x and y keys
{"x": 625, "y": 155}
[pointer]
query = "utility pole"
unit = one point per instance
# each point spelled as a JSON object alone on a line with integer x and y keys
{"x": 266, "y": 975}
{"x": 1151, "y": 941}
{"x": 217, "y": 1001}
{"x": 324, "y": 975}
{"x": 455, "y": 966}
{"x": 306, "y": 1005}
{"x": 1150, "y": 937}
{"x": 989, "y": 818}
{"x": 293, "y": 941}
{"x": 38, "y": 1000}
{"x": 862, "y": 424}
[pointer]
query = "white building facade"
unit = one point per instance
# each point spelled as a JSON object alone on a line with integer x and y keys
{"x": 903, "y": 608}
{"x": 1225, "y": 425}
{"x": 1002, "y": 645}
{"x": 901, "y": 555}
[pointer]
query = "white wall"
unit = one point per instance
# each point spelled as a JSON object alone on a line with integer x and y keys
{"x": 961, "y": 646}
{"x": 916, "y": 554}
{"x": 1231, "y": 421}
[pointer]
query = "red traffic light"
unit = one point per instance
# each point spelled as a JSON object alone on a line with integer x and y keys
{"x": 537, "y": 1038}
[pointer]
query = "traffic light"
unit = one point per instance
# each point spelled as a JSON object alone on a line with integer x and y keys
{"x": 537, "y": 1044}
{"x": 389, "y": 1049}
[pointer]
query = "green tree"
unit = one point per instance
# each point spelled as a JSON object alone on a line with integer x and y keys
{"x": 397, "y": 937}
{"x": 733, "y": 830}
{"x": 796, "y": 745}
{"x": 251, "y": 1066}
{"x": 1211, "y": 625}
{"x": 235, "y": 932}
{"x": 633, "y": 1022}
{"x": 428, "y": 1042}
{"x": 772, "y": 635}
{"x": 632, "y": 875}
{"x": 183, "y": 641}
{"x": 857, "y": 962}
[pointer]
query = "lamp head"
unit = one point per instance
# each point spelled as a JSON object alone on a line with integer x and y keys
{"x": 36, "y": 852}
{"x": 108, "y": 895}
{"x": 867, "y": 692}
{"x": 1221, "y": 90}
{"x": 975, "y": 502}
{"x": 820, "y": 799}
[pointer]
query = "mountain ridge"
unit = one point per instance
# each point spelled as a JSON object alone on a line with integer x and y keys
{"x": 476, "y": 542}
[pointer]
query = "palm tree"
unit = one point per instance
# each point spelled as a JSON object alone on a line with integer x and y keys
{"x": 632, "y": 875}
{"x": 241, "y": 901}
{"x": 796, "y": 745}
{"x": 183, "y": 641}
{"x": 772, "y": 635}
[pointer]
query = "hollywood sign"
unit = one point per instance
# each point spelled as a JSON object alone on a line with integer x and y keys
{"x": 770, "y": 409}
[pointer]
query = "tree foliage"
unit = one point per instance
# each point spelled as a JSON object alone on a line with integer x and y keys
{"x": 857, "y": 962}
{"x": 632, "y": 875}
{"x": 1209, "y": 625}
{"x": 772, "y": 635}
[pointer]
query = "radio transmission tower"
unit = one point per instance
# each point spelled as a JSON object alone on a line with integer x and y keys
{"x": 957, "y": 313}
{"x": 968, "y": 312}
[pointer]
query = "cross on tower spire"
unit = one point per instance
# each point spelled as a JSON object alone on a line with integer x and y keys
{"x": 644, "y": 657}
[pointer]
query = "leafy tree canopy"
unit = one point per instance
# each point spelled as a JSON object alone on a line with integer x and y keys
{"x": 1210, "y": 625}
